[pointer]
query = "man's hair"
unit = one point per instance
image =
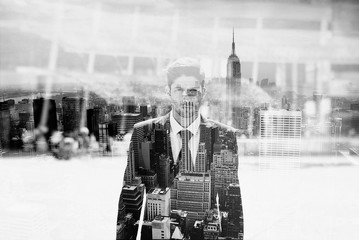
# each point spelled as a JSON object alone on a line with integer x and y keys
{"x": 184, "y": 66}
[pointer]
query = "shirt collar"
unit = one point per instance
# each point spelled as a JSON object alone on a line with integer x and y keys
{"x": 176, "y": 127}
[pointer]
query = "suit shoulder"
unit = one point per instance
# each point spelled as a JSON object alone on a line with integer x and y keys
{"x": 213, "y": 123}
{"x": 151, "y": 121}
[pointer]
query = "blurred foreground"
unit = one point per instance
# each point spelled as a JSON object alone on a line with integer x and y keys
{"x": 42, "y": 198}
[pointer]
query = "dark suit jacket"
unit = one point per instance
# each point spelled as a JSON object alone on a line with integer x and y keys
{"x": 219, "y": 139}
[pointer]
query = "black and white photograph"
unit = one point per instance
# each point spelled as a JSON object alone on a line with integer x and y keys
{"x": 179, "y": 119}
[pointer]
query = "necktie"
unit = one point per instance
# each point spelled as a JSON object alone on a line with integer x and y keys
{"x": 186, "y": 161}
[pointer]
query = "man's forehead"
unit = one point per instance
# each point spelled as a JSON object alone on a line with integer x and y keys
{"x": 188, "y": 81}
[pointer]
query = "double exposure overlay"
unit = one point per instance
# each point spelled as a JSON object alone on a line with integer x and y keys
{"x": 179, "y": 119}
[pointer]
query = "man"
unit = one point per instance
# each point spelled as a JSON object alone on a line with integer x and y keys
{"x": 187, "y": 146}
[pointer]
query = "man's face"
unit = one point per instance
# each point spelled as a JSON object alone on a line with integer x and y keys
{"x": 186, "y": 94}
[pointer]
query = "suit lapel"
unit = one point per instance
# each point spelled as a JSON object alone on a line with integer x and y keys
{"x": 167, "y": 127}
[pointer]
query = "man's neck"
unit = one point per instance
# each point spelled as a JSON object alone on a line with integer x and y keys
{"x": 185, "y": 122}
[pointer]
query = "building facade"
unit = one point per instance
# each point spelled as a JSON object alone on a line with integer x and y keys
{"x": 72, "y": 113}
{"x": 46, "y": 117}
{"x": 280, "y": 139}
{"x": 158, "y": 203}
{"x": 191, "y": 192}
{"x": 5, "y": 124}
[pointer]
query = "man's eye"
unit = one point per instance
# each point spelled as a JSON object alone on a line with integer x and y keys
{"x": 192, "y": 92}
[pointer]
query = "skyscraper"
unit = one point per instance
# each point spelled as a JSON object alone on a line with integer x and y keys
{"x": 72, "y": 112}
{"x": 164, "y": 171}
{"x": 103, "y": 137}
{"x": 93, "y": 121}
{"x": 129, "y": 105}
{"x": 158, "y": 202}
{"x": 280, "y": 139}
{"x": 161, "y": 141}
{"x": 191, "y": 192}
{"x": 235, "y": 220}
{"x": 224, "y": 172}
{"x": 50, "y": 112}
{"x": 125, "y": 121}
{"x": 208, "y": 136}
{"x": 144, "y": 111}
{"x": 145, "y": 154}
{"x": 4, "y": 124}
{"x": 130, "y": 169}
{"x": 201, "y": 161}
{"x": 233, "y": 82}
{"x": 23, "y": 118}
{"x": 233, "y": 199}
{"x": 161, "y": 137}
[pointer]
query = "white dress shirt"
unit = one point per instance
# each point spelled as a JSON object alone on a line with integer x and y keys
{"x": 176, "y": 139}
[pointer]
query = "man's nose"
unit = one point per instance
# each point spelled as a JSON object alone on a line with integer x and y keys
{"x": 184, "y": 92}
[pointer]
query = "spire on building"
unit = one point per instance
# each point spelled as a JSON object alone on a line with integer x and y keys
{"x": 233, "y": 44}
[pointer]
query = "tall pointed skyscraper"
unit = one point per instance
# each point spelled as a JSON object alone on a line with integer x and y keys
{"x": 233, "y": 82}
